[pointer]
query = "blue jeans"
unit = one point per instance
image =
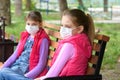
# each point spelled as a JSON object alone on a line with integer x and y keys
{"x": 9, "y": 74}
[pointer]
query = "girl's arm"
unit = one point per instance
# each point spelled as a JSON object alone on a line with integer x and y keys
{"x": 12, "y": 58}
{"x": 42, "y": 60}
{"x": 64, "y": 56}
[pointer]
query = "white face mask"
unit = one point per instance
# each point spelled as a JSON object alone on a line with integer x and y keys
{"x": 65, "y": 32}
{"x": 32, "y": 29}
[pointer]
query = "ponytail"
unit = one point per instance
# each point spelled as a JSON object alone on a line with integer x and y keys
{"x": 91, "y": 30}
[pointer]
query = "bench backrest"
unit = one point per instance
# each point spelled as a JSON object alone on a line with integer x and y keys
{"x": 99, "y": 45}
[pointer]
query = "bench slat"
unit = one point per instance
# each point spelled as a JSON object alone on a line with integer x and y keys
{"x": 93, "y": 59}
{"x": 96, "y": 46}
{"x": 51, "y": 26}
{"x": 90, "y": 71}
{"x": 54, "y": 44}
{"x": 102, "y": 37}
{"x": 53, "y": 33}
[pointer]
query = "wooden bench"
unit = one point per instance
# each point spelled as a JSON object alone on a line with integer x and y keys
{"x": 93, "y": 71}
{"x": 99, "y": 45}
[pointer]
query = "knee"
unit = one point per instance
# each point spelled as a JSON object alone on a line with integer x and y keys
{"x": 4, "y": 70}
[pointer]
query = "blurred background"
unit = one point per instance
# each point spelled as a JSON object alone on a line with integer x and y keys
{"x": 105, "y": 13}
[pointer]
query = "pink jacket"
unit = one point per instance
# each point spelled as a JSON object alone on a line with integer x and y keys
{"x": 78, "y": 63}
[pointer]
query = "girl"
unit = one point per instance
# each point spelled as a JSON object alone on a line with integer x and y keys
{"x": 73, "y": 52}
{"x": 30, "y": 57}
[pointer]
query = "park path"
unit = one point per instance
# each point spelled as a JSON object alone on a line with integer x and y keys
{"x": 113, "y": 74}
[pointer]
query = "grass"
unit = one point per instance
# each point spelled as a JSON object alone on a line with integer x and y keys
{"x": 112, "y": 51}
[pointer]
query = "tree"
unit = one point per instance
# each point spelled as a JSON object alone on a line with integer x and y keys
{"x": 105, "y": 5}
{"x": 28, "y": 4}
{"x": 5, "y": 10}
{"x": 62, "y": 5}
{"x": 81, "y": 5}
{"x": 18, "y": 7}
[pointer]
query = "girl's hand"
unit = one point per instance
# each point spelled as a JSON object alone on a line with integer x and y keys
{"x": 37, "y": 79}
{"x": 0, "y": 67}
{"x": 41, "y": 78}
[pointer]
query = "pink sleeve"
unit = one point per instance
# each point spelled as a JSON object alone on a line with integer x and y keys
{"x": 42, "y": 60}
{"x": 63, "y": 57}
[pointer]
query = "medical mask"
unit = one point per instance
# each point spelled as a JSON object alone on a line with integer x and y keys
{"x": 65, "y": 32}
{"x": 32, "y": 29}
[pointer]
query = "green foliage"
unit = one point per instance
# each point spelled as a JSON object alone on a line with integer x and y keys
{"x": 82, "y": 8}
{"x": 51, "y": 16}
{"x": 112, "y": 51}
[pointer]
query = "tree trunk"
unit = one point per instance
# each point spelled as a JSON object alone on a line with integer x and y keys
{"x": 5, "y": 10}
{"x": 105, "y": 5}
{"x": 62, "y": 5}
{"x": 28, "y": 4}
{"x": 80, "y": 2}
{"x": 81, "y": 5}
{"x": 18, "y": 7}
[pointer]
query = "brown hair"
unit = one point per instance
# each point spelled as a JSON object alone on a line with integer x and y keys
{"x": 78, "y": 17}
{"x": 35, "y": 16}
